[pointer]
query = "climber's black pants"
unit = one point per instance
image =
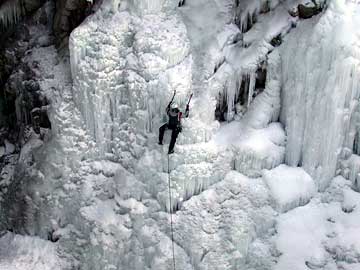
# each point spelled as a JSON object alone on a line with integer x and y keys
{"x": 181, "y": 3}
{"x": 174, "y": 134}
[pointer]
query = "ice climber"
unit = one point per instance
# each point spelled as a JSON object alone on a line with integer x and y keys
{"x": 174, "y": 123}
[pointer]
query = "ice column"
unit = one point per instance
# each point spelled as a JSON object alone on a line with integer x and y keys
{"x": 320, "y": 89}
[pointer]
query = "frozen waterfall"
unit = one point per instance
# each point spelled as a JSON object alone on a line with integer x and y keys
{"x": 265, "y": 173}
{"x": 322, "y": 74}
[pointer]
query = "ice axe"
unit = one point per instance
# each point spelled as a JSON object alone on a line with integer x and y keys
{"x": 187, "y": 105}
{"x": 172, "y": 99}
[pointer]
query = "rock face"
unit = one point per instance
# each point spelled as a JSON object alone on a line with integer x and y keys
{"x": 30, "y": 104}
{"x": 13, "y": 11}
{"x": 22, "y": 104}
{"x": 32, "y": 5}
{"x": 69, "y": 14}
{"x": 307, "y": 11}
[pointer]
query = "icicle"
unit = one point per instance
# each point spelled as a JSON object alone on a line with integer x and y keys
{"x": 10, "y": 13}
{"x": 251, "y": 87}
{"x": 246, "y": 17}
{"x": 230, "y": 96}
{"x": 150, "y": 113}
{"x": 243, "y": 24}
{"x": 238, "y": 86}
{"x": 232, "y": 93}
{"x": 148, "y": 6}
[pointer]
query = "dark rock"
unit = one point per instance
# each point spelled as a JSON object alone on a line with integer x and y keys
{"x": 39, "y": 118}
{"x": 276, "y": 41}
{"x": 22, "y": 33}
{"x": 43, "y": 18}
{"x": 261, "y": 77}
{"x": 68, "y": 15}
{"x": 32, "y": 5}
{"x": 31, "y": 86}
{"x": 309, "y": 10}
{"x": 22, "y": 102}
{"x": 53, "y": 237}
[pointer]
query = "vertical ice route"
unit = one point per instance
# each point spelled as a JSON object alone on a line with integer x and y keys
{"x": 197, "y": 164}
{"x": 99, "y": 213}
{"x": 117, "y": 211}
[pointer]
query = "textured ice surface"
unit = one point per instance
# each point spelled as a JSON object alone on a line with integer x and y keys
{"x": 290, "y": 187}
{"x": 19, "y": 252}
{"x": 230, "y": 216}
{"x": 100, "y": 184}
{"x": 321, "y": 235}
{"x": 125, "y": 67}
{"x": 254, "y": 149}
{"x": 322, "y": 76}
{"x": 257, "y": 142}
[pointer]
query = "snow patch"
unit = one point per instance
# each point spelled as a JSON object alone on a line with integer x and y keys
{"x": 290, "y": 187}
{"x": 321, "y": 235}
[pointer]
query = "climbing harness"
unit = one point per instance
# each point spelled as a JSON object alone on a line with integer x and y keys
{"x": 171, "y": 213}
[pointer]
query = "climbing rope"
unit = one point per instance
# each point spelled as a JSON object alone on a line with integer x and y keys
{"x": 171, "y": 213}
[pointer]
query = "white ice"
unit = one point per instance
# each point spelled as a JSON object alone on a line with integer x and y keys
{"x": 19, "y": 252}
{"x": 290, "y": 187}
{"x": 104, "y": 180}
{"x": 322, "y": 76}
{"x": 321, "y": 235}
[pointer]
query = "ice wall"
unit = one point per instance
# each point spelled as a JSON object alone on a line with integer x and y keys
{"x": 321, "y": 90}
{"x": 126, "y": 61}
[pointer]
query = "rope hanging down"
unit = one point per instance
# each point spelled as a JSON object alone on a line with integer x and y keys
{"x": 171, "y": 219}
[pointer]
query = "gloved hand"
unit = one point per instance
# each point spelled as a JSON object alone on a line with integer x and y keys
{"x": 187, "y": 107}
{"x": 179, "y": 128}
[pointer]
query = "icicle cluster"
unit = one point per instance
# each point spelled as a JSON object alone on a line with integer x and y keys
{"x": 10, "y": 13}
{"x": 236, "y": 83}
{"x": 148, "y": 6}
{"x": 247, "y": 12}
